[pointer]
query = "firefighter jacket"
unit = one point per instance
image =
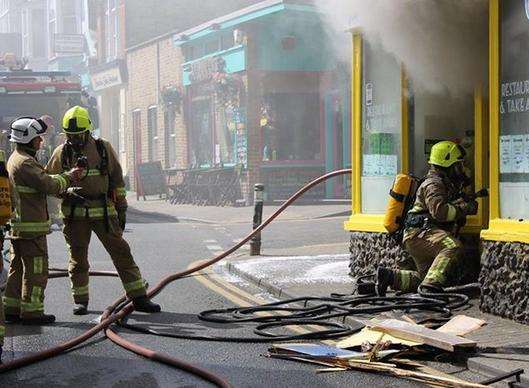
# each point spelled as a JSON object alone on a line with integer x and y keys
{"x": 29, "y": 187}
{"x": 435, "y": 200}
{"x": 102, "y": 188}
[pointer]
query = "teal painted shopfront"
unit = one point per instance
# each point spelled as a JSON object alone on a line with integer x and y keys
{"x": 266, "y": 95}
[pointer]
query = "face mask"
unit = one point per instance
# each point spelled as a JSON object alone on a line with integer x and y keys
{"x": 77, "y": 141}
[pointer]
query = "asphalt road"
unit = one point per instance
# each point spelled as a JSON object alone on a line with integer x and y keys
{"x": 161, "y": 249}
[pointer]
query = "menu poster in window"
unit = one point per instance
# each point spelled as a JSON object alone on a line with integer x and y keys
{"x": 505, "y": 154}
{"x": 518, "y": 154}
{"x": 151, "y": 179}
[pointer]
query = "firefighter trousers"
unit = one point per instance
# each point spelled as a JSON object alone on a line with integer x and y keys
{"x": 27, "y": 277}
{"x": 77, "y": 233}
{"x": 435, "y": 254}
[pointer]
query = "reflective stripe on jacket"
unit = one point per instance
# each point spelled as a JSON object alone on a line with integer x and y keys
{"x": 96, "y": 183}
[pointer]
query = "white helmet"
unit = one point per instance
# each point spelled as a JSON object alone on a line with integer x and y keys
{"x": 25, "y": 129}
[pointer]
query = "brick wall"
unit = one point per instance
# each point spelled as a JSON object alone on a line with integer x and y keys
{"x": 152, "y": 67}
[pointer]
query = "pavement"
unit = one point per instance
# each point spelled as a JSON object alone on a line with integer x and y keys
{"x": 165, "y": 239}
{"x": 504, "y": 343}
{"x": 319, "y": 270}
{"x": 244, "y": 214}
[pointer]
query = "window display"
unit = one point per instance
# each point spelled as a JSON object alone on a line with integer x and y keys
{"x": 381, "y": 126}
{"x": 290, "y": 125}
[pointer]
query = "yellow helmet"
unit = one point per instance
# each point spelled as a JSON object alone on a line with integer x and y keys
{"x": 76, "y": 120}
{"x": 446, "y": 153}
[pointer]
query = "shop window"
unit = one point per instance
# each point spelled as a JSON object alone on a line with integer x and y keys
{"x": 381, "y": 126}
{"x": 201, "y": 134}
{"x": 170, "y": 137}
{"x": 152, "y": 133}
{"x": 230, "y": 137}
{"x": 212, "y": 46}
{"x": 189, "y": 53}
{"x": 227, "y": 41}
{"x": 514, "y": 111}
{"x": 290, "y": 125}
{"x": 39, "y": 33}
{"x": 136, "y": 133}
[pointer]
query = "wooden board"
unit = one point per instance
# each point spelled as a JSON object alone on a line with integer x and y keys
{"x": 418, "y": 333}
{"x": 372, "y": 336}
{"x": 461, "y": 325}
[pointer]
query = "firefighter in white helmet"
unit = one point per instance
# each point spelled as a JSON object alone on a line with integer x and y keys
{"x": 30, "y": 184}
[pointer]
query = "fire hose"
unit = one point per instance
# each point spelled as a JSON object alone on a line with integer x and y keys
{"x": 110, "y": 316}
{"x": 315, "y": 315}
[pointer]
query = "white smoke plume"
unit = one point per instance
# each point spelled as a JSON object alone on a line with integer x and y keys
{"x": 443, "y": 43}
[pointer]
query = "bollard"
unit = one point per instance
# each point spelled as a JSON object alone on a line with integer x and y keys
{"x": 258, "y": 199}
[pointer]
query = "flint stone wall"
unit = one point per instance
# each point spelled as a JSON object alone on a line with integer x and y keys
{"x": 505, "y": 280}
{"x": 370, "y": 250}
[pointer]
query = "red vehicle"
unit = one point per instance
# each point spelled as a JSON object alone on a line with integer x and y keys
{"x": 31, "y": 93}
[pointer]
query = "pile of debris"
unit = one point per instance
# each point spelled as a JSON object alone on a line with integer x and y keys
{"x": 390, "y": 346}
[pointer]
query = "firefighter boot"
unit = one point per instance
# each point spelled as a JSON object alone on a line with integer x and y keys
{"x": 80, "y": 309}
{"x": 385, "y": 278}
{"x": 430, "y": 288}
{"x": 39, "y": 320}
{"x": 144, "y": 304}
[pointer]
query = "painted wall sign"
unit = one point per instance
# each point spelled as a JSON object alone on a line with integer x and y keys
{"x": 107, "y": 78}
{"x": 68, "y": 43}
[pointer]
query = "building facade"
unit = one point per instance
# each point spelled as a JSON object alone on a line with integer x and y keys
{"x": 395, "y": 124}
{"x": 155, "y": 105}
{"x": 108, "y": 71}
{"x": 24, "y": 31}
{"x": 263, "y": 96}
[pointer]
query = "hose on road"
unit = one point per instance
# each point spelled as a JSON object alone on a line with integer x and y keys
{"x": 110, "y": 315}
{"x": 121, "y": 308}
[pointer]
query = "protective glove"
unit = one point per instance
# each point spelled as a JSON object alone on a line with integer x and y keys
{"x": 122, "y": 218}
{"x": 469, "y": 208}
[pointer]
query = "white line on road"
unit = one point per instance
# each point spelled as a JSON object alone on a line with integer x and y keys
{"x": 214, "y": 247}
{"x": 210, "y": 241}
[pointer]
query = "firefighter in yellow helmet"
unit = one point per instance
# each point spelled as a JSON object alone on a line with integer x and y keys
{"x": 28, "y": 273}
{"x": 430, "y": 224}
{"x": 98, "y": 205}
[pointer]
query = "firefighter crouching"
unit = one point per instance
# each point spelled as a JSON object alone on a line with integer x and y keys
{"x": 99, "y": 205}
{"x": 30, "y": 185}
{"x": 429, "y": 234}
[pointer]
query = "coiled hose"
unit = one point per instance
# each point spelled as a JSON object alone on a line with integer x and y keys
{"x": 110, "y": 315}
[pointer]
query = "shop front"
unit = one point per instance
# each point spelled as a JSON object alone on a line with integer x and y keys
{"x": 395, "y": 123}
{"x": 108, "y": 81}
{"x": 505, "y": 255}
{"x": 263, "y": 99}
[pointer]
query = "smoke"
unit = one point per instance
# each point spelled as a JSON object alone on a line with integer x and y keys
{"x": 442, "y": 43}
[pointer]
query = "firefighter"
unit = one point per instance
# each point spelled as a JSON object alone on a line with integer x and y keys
{"x": 429, "y": 235}
{"x": 28, "y": 273}
{"x": 98, "y": 206}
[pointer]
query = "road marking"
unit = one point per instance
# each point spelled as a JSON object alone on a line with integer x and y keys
{"x": 210, "y": 241}
{"x": 214, "y": 247}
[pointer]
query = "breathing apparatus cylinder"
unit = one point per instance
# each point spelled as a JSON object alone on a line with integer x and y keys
{"x": 5, "y": 194}
{"x": 401, "y": 194}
